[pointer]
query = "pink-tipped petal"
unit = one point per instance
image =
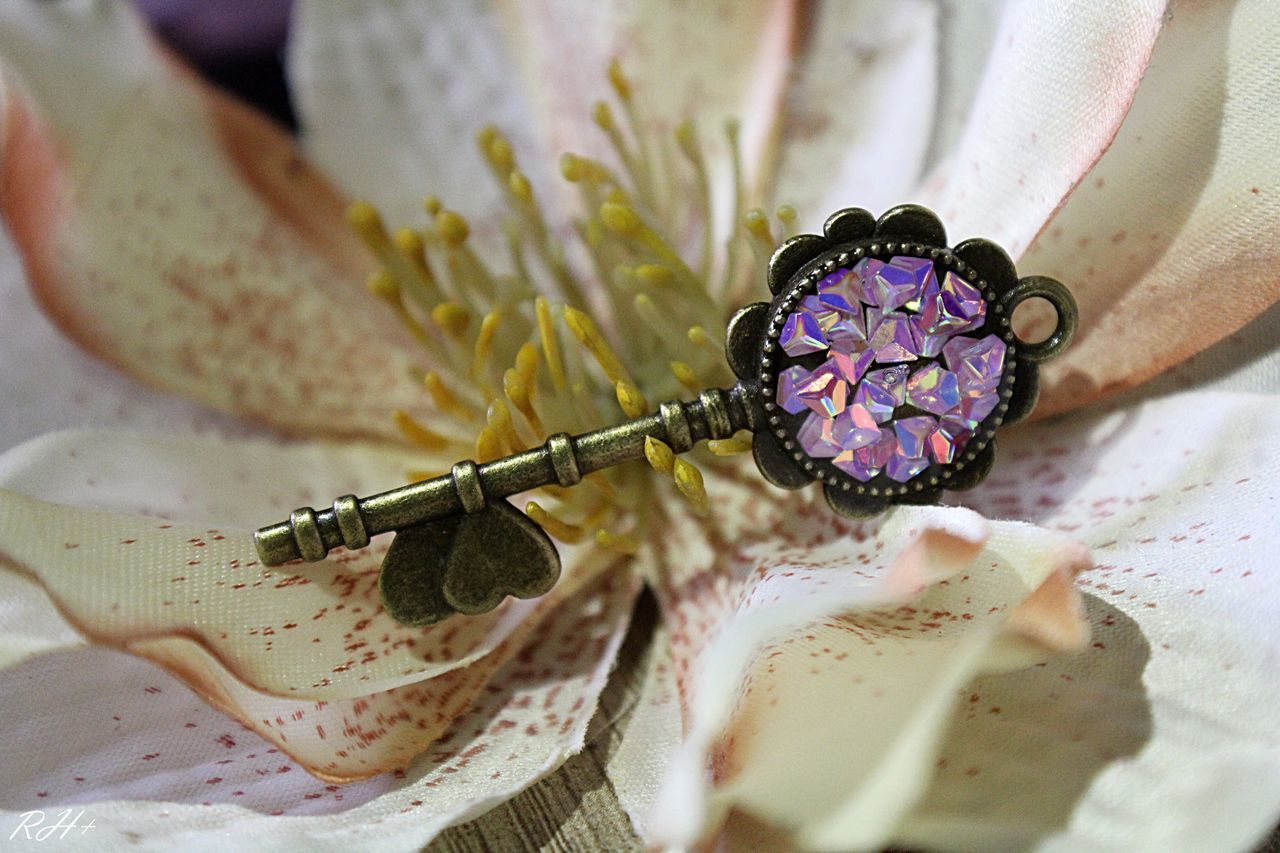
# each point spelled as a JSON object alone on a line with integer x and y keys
{"x": 178, "y": 235}
{"x": 314, "y": 630}
{"x": 1167, "y": 244}
{"x": 1057, "y": 87}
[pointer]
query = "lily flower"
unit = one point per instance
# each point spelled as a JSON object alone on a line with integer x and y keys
{"x": 1078, "y": 653}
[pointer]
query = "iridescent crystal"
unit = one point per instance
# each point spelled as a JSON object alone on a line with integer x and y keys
{"x": 976, "y": 409}
{"x": 978, "y": 364}
{"x": 825, "y": 391}
{"x": 866, "y": 270}
{"x": 855, "y": 428}
{"x": 882, "y": 391}
{"x": 840, "y": 321}
{"x": 933, "y": 389}
{"x": 851, "y": 365}
{"x": 843, "y": 283}
{"x": 788, "y": 381}
{"x": 913, "y": 435}
{"x": 892, "y": 339}
{"x": 802, "y": 335}
{"x": 948, "y": 440}
{"x": 903, "y": 468}
{"x": 958, "y": 307}
{"x": 894, "y": 286}
{"x": 816, "y": 439}
{"x": 866, "y": 462}
{"x": 923, "y": 276}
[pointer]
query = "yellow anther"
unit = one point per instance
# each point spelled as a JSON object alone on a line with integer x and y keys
{"x": 659, "y": 454}
{"x": 417, "y": 475}
{"x": 484, "y": 343}
{"x": 655, "y": 275}
{"x": 410, "y": 243}
{"x": 556, "y": 528}
{"x": 382, "y": 284}
{"x": 571, "y": 168}
{"x": 527, "y": 362}
{"x": 444, "y": 399}
{"x": 687, "y": 139}
{"x": 489, "y": 446}
{"x": 485, "y": 137}
{"x": 593, "y": 233}
{"x": 686, "y": 376}
{"x": 617, "y": 195}
{"x": 603, "y": 116}
{"x": 519, "y": 392}
{"x": 632, "y": 401}
{"x": 757, "y": 224}
{"x": 621, "y": 85}
{"x": 500, "y": 154}
{"x": 452, "y": 319}
{"x": 699, "y": 338}
{"x": 500, "y": 423}
{"x": 432, "y": 206}
{"x": 619, "y": 217}
{"x": 452, "y": 227}
{"x": 786, "y": 215}
{"x": 585, "y": 330}
{"x": 417, "y": 433}
{"x": 550, "y": 344}
{"x": 365, "y": 220}
{"x": 619, "y": 542}
{"x": 739, "y": 443}
{"x": 688, "y": 480}
{"x": 520, "y": 186}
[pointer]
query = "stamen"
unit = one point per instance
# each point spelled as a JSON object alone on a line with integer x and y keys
{"x": 445, "y": 400}
{"x": 484, "y": 346}
{"x": 417, "y": 433}
{"x": 550, "y": 345}
{"x": 633, "y": 403}
{"x": 555, "y": 527}
{"x": 686, "y": 376}
{"x": 689, "y": 481}
{"x": 619, "y": 542}
{"x": 660, "y": 455}
{"x": 588, "y": 334}
{"x": 739, "y": 443}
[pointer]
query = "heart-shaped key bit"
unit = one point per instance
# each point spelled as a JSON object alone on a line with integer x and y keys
{"x": 466, "y": 564}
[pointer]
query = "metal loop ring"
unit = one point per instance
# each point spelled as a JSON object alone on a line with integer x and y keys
{"x": 1053, "y": 292}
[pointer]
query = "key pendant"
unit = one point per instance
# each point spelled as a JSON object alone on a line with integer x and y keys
{"x": 880, "y": 369}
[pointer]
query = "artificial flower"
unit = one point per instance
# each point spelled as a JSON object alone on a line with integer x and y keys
{"x": 933, "y": 678}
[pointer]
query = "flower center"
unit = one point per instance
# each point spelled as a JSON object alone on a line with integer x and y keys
{"x": 510, "y": 357}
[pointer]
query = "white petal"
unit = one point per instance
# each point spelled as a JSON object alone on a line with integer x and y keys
{"x": 160, "y": 770}
{"x": 1175, "y": 704}
{"x": 390, "y": 95}
{"x": 859, "y": 108}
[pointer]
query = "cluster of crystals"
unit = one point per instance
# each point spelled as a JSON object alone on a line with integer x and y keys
{"x": 894, "y": 313}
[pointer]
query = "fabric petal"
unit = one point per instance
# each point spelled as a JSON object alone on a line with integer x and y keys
{"x": 146, "y": 570}
{"x": 893, "y": 617}
{"x": 1058, "y": 85}
{"x": 1162, "y": 243}
{"x": 177, "y": 235}
{"x": 172, "y": 772}
{"x": 858, "y": 113}
{"x": 1174, "y": 702}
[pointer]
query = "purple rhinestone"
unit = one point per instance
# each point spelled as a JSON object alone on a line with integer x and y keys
{"x": 933, "y": 389}
{"x": 895, "y": 287}
{"x": 882, "y": 391}
{"x": 825, "y": 391}
{"x": 843, "y": 283}
{"x": 976, "y": 409}
{"x": 816, "y": 438}
{"x": 867, "y": 269}
{"x": 851, "y": 366}
{"x": 866, "y": 462}
{"x": 855, "y": 428}
{"x": 913, "y": 435}
{"x": 892, "y": 339}
{"x": 788, "y": 381}
{"x": 903, "y": 468}
{"x": 978, "y": 364}
{"x": 926, "y": 281}
{"x": 958, "y": 307}
{"x": 802, "y": 335}
{"x": 841, "y": 322}
{"x": 949, "y": 439}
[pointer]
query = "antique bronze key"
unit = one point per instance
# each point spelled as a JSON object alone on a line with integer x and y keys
{"x": 881, "y": 368}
